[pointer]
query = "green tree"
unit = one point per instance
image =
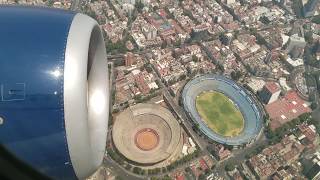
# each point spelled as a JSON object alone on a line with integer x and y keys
{"x": 194, "y": 58}
{"x": 308, "y": 36}
{"x": 118, "y": 178}
{"x": 316, "y": 19}
{"x": 139, "y": 6}
{"x": 137, "y": 170}
{"x": 229, "y": 167}
{"x": 166, "y": 177}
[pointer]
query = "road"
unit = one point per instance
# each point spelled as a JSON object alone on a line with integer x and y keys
{"x": 238, "y": 156}
{"x": 181, "y": 114}
{"x": 119, "y": 170}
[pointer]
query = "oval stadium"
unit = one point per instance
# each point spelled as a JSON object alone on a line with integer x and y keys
{"x": 147, "y": 135}
{"x": 223, "y": 110}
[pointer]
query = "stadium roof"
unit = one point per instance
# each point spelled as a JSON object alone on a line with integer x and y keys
{"x": 243, "y": 101}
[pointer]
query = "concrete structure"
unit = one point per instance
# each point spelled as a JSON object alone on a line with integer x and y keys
{"x": 311, "y": 8}
{"x": 229, "y": 2}
{"x": 244, "y": 102}
{"x": 270, "y": 92}
{"x": 150, "y": 32}
{"x": 148, "y": 135}
{"x": 256, "y": 84}
{"x": 314, "y": 172}
{"x": 295, "y": 43}
{"x": 129, "y": 59}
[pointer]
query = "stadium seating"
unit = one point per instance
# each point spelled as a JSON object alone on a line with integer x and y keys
{"x": 245, "y": 103}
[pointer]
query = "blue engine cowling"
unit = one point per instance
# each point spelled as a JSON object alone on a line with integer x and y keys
{"x": 53, "y": 90}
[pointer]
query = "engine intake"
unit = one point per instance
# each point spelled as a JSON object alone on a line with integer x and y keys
{"x": 54, "y": 100}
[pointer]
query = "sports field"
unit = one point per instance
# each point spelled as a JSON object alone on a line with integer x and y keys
{"x": 219, "y": 113}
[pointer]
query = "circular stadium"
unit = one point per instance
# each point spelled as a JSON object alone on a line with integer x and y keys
{"x": 147, "y": 134}
{"x": 223, "y": 110}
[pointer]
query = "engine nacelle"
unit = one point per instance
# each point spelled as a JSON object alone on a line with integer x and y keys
{"x": 53, "y": 90}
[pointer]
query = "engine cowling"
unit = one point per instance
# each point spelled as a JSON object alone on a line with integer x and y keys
{"x": 54, "y": 90}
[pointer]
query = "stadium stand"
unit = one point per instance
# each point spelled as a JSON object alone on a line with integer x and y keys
{"x": 243, "y": 101}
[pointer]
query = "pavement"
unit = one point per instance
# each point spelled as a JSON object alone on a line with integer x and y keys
{"x": 238, "y": 156}
{"x": 119, "y": 170}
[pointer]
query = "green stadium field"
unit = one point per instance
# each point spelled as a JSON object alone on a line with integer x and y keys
{"x": 220, "y": 114}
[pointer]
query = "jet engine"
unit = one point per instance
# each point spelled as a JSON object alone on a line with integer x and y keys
{"x": 54, "y": 99}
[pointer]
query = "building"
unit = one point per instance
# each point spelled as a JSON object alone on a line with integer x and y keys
{"x": 294, "y": 63}
{"x": 282, "y": 175}
{"x": 127, "y": 2}
{"x": 307, "y": 135}
{"x": 256, "y": 84}
{"x": 148, "y": 135}
{"x": 286, "y": 109}
{"x": 220, "y": 152}
{"x": 314, "y": 172}
{"x": 227, "y": 39}
{"x": 275, "y": 157}
{"x": 295, "y": 44}
{"x": 150, "y": 32}
{"x": 311, "y": 8}
{"x": 129, "y": 59}
{"x": 229, "y": 2}
{"x": 270, "y": 92}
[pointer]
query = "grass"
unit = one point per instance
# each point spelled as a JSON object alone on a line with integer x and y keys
{"x": 220, "y": 114}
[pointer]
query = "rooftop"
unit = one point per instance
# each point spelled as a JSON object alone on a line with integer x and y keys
{"x": 285, "y": 109}
{"x": 272, "y": 87}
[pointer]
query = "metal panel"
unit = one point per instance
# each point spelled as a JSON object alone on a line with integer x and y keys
{"x": 32, "y": 47}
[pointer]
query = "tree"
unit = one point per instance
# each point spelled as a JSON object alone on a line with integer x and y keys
{"x": 118, "y": 178}
{"x": 309, "y": 37}
{"x": 194, "y": 58}
{"x": 182, "y": 77}
{"x": 128, "y": 167}
{"x": 236, "y": 33}
{"x": 166, "y": 177}
{"x": 148, "y": 68}
{"x": 236, "y": 75}
{"x": 139, "y": 6}
{"x": 202, "y": 177}
{"x": 137, "y": 170}
{"x": 316, "y": 19}
{"x": 178, "y": 43}
{"x": 314, "y": 105}
{"x": 229, "y": 167}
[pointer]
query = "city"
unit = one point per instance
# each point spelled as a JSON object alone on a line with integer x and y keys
{"x": 168, "y": 58}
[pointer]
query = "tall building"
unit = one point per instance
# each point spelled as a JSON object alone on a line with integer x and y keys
{"x": 270, "y": 92}
{"x": 295, "y": 42}
{"x": 227, "y": 39}
{"x": 128, "y": 8}
{"x": 311, "y": 8}
{"x": 314, "y": 172}
{"x": 150, "y": 32}
{"x": 129, "y": 59}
